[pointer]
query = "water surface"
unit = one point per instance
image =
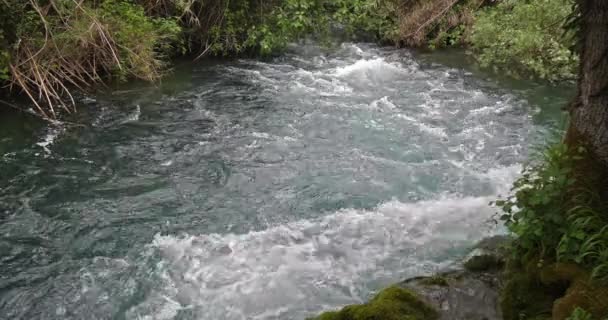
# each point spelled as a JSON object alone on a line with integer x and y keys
{"x": 255, "y": 189}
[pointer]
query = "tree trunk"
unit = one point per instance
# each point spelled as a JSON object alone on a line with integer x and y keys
{"x": 589, "y": 111}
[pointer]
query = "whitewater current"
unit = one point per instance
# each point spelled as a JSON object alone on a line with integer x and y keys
{"x": 257, "y": 189}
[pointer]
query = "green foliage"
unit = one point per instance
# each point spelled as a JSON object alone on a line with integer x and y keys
{"x": 376, "y": 18}
{"x": 393, "y": 303}
{"x": 290, "y": 21}
{"x": 556, "y": 218}
{"x": 580, "y": 314}
{"x": 141, "y": 40}
{"x": 272, "y": 28}
{"x": 11, "y": 12}
{"x": 586, "y": 239}
{"x": 4, "y": 60}
{"x": 523, "y": 297}
{"x": 526, "y": 38}
{"x": 535, "y": 212}
{"x": 454, "y": 28}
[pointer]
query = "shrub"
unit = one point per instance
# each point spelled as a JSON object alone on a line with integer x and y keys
{"x": 70, "y": 43}
{"x": 143, "y": 42}
{"x": 368, "y": 17}
{"x": 555, "y": 217}
{"x": 526, "y": 38}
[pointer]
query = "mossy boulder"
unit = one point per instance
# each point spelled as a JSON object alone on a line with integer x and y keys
{"x": 525, "y": 297}
{"x": 484, "y": 262}
{"x": 393, "y": 303}
{"x": 582, "y": 292}
{"x": 540, "y": 290}
{"x": 460, "y": 295}
{"x": 488, "y": 255}
{"x": 469, "y": 294}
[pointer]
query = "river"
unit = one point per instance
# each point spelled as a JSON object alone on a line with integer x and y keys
{"x": 260, "y": 189}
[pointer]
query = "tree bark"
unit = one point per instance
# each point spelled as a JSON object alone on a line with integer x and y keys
{"x": 589, "y": 111}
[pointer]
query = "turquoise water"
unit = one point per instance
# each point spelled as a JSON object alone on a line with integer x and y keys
{"x": 252, "y": 189}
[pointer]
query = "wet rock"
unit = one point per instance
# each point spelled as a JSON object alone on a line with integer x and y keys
{"x": 484, "y": 262}
{"x": 489, "y": 254}
{"x": 461, "y": 295}
{"x": 469, "y": 294}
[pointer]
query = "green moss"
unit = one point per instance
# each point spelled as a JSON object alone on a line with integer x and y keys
{"x": 435, "y": 281}
{"x": 583, "y": 292}
{"x": 393, "y": 303}
{"x": 541, "y": 290}
{"x": 525, "y": 297}
{"x": 484, "y": 262}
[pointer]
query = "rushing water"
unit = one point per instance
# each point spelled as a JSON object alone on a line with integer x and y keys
{"x": 259, "y": 189}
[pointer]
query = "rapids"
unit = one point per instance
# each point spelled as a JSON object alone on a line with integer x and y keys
{"x": 260, "y": 189}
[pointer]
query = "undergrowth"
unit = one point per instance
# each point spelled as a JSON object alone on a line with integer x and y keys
{"x": 526, "y": 38}
{"x": 50, "y": 47}
{"x": 555, "y": 217}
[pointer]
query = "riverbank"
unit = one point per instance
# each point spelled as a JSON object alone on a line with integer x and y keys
{"x": 489, "y": 285}
{"x": 470, "y": 290}
{"x": 50, "y": 51}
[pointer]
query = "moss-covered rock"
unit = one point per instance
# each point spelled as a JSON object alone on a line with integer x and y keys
{"x": 393, "y": 303}
{"x": 437, "y": 280}
{"x": 525, "y": 297}
{"x": 484, "y": 262}
{"x": 488, "y": 255}
{"x": 540, "y": 290}
{"x": 583, "y": 292}
{"x": 460, "y": 294}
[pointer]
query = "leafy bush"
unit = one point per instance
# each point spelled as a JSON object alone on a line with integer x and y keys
{"x": 57, "y": 44}
{"x": 368, "y": 17}
{"x": 526, "y": 38}
{"x": 142, "y": 41}
{"x": 48, "y": 45}
{"x": 556, "y": 218}
{"x": 276, "y": 24}
{"x": 291, "y": 20}
{"x": 437, "y": 23}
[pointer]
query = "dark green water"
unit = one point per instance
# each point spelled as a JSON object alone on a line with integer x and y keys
{"x": 260, "y": 189}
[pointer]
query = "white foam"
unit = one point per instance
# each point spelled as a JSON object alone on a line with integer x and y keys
{"x": 308, "y": 265}
{"x": 260, "y": 135}
{"x": 435, "y": 131}
{"x": 377, "y": 66}
{"x": 133, "y": 116}
{"x": 49, "y": 138}
{"x": 324, "y": 84}
{"x": 383, "y": 104}
{"x": 355, "y": 49}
